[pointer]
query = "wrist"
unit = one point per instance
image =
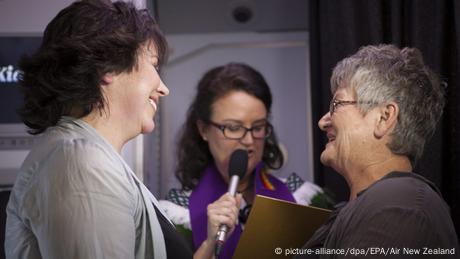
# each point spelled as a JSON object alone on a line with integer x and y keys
{"x": 207, "y": 249}
{"x": 210, "y": 241}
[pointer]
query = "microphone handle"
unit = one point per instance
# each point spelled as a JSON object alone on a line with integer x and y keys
{"x": 221, "y": 233}
{"x": 223, "y": 229}
{"x": 233, "y": 185}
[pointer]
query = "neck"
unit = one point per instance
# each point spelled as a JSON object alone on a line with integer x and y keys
{"x": 360, "y": 179}
{"x": 246, "y": 187}
{"x": 108, "y": 128}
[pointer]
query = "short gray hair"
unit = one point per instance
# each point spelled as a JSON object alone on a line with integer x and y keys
{"x": 384, "y": 73}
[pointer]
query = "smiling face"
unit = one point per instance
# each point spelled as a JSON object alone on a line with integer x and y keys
{"x": 137, "y": 94}
{"x": 349, "y": 134}
{"x": 235, "y": 108}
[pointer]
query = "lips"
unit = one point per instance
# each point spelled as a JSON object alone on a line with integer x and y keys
{"x": 153, "y": 103}
{"x": 330, "y": 137}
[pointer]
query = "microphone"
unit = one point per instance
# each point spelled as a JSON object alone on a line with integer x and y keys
{"x": 236, "y": 170}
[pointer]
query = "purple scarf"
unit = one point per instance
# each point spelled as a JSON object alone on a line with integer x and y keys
{"x": 211, "y": 187}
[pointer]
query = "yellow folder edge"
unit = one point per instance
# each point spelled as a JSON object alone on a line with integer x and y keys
{"x": 275, "y": 224}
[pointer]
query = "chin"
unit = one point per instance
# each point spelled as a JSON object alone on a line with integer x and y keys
{"x": 326, "y": 159}
{"x": 148, "y": 127}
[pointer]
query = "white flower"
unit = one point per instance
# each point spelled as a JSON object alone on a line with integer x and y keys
{"x": 306, "y": 192}
{"x": 177, "y": 214}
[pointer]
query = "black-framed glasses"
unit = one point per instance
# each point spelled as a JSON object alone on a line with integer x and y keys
{"x": 237, "y": 132}
{"x": 334, "y": 103}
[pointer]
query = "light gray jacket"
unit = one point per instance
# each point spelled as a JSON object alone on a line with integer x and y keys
{"x": 75, "y": 197}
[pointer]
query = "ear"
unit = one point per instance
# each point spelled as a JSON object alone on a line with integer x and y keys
{"x": 202, "y": 129}
{"x": 388, "y": 117}
{"x": 108, "y": 78}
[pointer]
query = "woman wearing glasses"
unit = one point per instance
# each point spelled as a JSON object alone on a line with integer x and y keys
{"x": 231, "y": 110}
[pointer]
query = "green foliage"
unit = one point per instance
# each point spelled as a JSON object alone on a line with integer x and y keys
{"x": 325, "y": 200}
{"x": 186, "y": 233}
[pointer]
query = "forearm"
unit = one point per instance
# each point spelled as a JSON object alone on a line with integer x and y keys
{"x": 205, "y": 251}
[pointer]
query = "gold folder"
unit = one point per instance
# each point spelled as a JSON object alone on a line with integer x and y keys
{"x": 275, "y": 225}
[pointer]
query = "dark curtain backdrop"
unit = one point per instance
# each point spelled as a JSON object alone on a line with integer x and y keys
{"x": 339, "y": 28}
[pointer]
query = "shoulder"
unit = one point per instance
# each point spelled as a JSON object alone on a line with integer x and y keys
{"x": 58, "y": 155}
{"x": 407, "y": 190}
{"x": 82, "y": 160}
{"x": 67, "y": 166}
{"x": 64, "y": 144}
{"x": 398, "y": 207}
{"x": 391, "y": 226}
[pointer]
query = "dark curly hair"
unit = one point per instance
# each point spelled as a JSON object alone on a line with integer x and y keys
{"x": 85, "y": 41}
{"x": 193, "y": 152}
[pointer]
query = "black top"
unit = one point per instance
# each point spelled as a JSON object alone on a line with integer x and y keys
{"x": 398, "y": 216}
{"x": 176, "y": 246}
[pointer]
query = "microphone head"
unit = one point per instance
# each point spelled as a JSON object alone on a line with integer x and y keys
{"x": 238, "y": 163}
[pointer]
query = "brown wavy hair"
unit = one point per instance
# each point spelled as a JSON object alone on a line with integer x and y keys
{"x": 80, "y": 45}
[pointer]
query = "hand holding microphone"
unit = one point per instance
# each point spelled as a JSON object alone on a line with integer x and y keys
{"x": 237, "y": 169}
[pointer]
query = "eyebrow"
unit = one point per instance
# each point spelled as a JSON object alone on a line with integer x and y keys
{"x": 240, "y": 122}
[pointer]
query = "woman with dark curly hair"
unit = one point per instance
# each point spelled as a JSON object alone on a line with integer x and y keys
{"x": 231, "y": 111}
{"x": 92, "y": 86}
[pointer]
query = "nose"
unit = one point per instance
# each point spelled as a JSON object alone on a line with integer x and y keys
{"x": 247, "y": 139}
{"x": 163, "y": 89}
{"x": 325, "y": 121}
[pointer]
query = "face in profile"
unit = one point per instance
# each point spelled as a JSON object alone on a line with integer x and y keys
{"x": 237, "y": 108}
{"x": 138, "y": 93}
{"x": 349, "y": 132}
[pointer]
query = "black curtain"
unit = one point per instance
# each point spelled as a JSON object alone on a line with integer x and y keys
{"x": 339, "y": 28}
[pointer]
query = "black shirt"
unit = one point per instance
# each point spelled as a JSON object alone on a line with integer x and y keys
{"x": 398, "y": 216}
{"x": 176, "y": 246}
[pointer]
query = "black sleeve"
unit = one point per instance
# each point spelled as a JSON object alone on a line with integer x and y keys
{"x": 392, "y": 230}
